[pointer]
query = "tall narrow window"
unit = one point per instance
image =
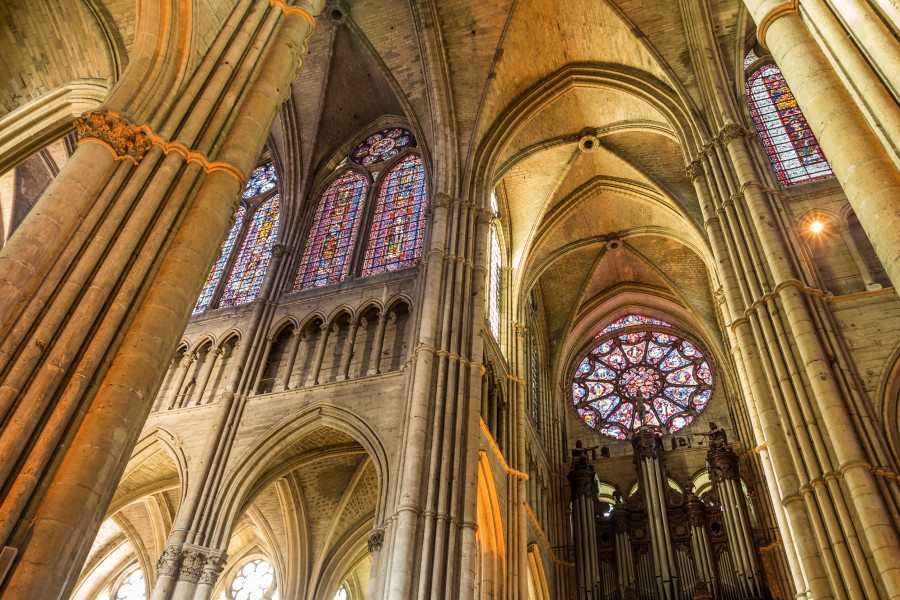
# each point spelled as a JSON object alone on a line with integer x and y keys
{"x": 253, "y": 259}
{"x": 494, "y": 276}
{"x": 395, "y": 241}
{"x": 326, "y": 258}
{"x": 789, "y": 142}
{"x": 535, "y": 387}
{"x": 246, "y": 251}
{"x": 212, "y": 280}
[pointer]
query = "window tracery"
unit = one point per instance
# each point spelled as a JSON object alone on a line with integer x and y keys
{"x": 395, "y": 240}
{"x": 641, "y": 376}
{"x": 247, "y": 250}
{"x": 494, "y": 281}
{"x": 381, "y": 146}
{"x": 326, "y": 258}
{"x": 341, "y": 594}
{"x": 789, "y": 142}
{"x": 132, "y": 587}
{"x": 254, "y": 581}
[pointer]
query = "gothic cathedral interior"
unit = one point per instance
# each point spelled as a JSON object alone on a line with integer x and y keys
{"x": 449, "y": 299}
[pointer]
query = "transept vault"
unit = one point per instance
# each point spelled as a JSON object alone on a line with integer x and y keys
{"x": 449, "y": 299}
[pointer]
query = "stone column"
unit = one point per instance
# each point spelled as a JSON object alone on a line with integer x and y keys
{"x": 723, "y": 470}
{"x": 105, "y": 301}
{"x": 378, "y": 346}
{"x": 648, "y": 456}
{"x": 203, "y": 378}
{"x": 261, "y": 369}
{"x": 178, "y": 383}
{"x": 866, "y": 172}
{"x": 624, "y": 553}
{"x": 347, "y": 356}
{"x": 296, "y": 339}
{"x": 868, "y": 280}
{"x": 316, "y": 369}
{"x": 583, "y": 487}
{"x": 209, "y": 576}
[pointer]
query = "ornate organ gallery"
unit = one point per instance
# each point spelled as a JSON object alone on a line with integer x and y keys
{"x": 662, "y": 539}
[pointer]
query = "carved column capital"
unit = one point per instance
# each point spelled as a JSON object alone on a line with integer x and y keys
{"x": 192, "y": 563}
{"x": 694, "y": 169}
{"x": 376, "y": 540}
{"x": 732, "y": 131}
{"x": 116, "y": 132}
{"x": 169, "y": 561}
{"x": 212, "y": 569}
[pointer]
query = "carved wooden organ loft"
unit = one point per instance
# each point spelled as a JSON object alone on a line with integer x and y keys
{"x": 661, "y": 544}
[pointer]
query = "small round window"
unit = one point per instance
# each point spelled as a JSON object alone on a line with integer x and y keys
{"x": 132, "y": 587}
{"x": 641, "y": 374}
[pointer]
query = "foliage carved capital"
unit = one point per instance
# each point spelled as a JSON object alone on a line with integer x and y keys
{"x": 115, "y": 131}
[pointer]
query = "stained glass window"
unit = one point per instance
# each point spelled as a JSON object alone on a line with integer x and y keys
{"x": 535, "y": 388}
{"x": 341, "y": 594}
{"x": 132, "y": 587}
{"x": 629, "y": 321}
{"x": 494, "y": 284}
{"x": 253, "y": 258}
{"x": 641, "y": 377}
{"x": 395, "y": 241}
{"x": 381, "y": 146}
{"x": 326, "y": 258}
{"x": 750, "y": 59}
{"x": 212, "y": 280}
{"x": 253, "y": 581}
{"x": 789, "y": 142}
{"x": 262, "y": 179}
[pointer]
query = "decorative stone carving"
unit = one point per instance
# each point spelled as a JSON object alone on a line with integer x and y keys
{"x": 116, "y": 132}
{"x": 647, "y": 444}
{"x": 730, "y": 132}
{"x": 694, "y": 169}
{"x": 719, "y": 296}
{"x": 212, "y": 569}
{"x": 582, "y": 479}
{"x": 376, "y": 540}
{"x": 169, "y": 561}
{"x": 192, "y": 564}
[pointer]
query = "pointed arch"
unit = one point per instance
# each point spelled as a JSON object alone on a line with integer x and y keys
{"x": 789, "y": 142}
{"x": 395, "y": 238}
{"x": 253, "y": 258}
{"x": 329, "y": 246}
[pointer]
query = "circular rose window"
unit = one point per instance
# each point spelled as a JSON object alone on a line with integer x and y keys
{"x": 381, "y": 146}
{"x": 637, "y": 376}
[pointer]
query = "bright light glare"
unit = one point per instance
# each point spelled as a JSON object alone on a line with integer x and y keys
{"x": 816, "y": 226}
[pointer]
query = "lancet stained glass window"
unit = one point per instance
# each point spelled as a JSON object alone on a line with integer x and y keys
{"x": 535, "y": 388}
{"x": 789, "y": 142}
{"x": 381, "y": 146}
{"x": 253, "y": 259}
{"x": 262, "y": 179}
{"x": 641, "y": 376}
{"x": 395, "y": 241}
{"x": 326, "y": 258}
{"x": 212, "y": 280}
{"x": 494, "y": 284}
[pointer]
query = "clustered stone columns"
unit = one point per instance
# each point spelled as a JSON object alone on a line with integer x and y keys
{"x": 297, "y": 337}
{"x": 724, "y": 473}
{"x": 860, "y": 162}
{"x": 430, "y": 534}
{"x": 808, "y": 418}
{"x": 190, "y": 572}
{"x": 649, "y": 456}
{"x": 583, "y": 488}
{"x": 101, "y": 277}
{"x": 378, "y": 346}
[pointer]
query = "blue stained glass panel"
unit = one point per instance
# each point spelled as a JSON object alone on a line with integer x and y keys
{"x": 629, "y": 321}
{"x": 395, "y": 241}
{"x": 212, "y": 280}
{"x": 262, "y": 179}
{"x": 381, "y": 146}
{"x": 253, "y": 259}
{"x": 326, "y": 258}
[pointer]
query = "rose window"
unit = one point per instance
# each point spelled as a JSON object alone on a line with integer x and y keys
{"x": 381, "y": 146}
{"x": 635, "y": 378}
{"x": 254, "y": 581}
